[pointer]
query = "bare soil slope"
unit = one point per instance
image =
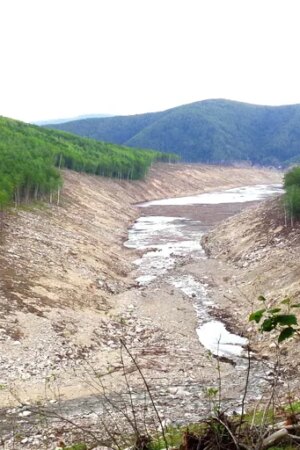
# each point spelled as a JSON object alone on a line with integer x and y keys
{"x": 261, "y": 253}
{"x": 65, "y": 274}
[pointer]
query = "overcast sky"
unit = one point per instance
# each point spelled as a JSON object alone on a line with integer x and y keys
{"x": 62, "y": 58}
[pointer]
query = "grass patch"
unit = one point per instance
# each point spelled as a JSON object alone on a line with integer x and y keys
{"x": 174, "y": 435}
{"x": 76, "y": 447}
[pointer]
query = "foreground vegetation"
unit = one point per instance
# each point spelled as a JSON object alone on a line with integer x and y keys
{"x": 210, "y": 131}
{"x": 31, "y": 157}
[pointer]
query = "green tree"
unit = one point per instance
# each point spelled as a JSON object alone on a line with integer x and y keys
{"x": 292, "y": 195}
{"x": 292, "y": 177}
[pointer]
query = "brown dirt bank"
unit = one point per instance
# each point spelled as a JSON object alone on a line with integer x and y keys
{"x": 66, "y": 277}
{"x": 261, "y": 257}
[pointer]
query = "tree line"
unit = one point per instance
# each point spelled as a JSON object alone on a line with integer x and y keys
{"x": 30, "y": 159}
{"x": 292, "y": 194}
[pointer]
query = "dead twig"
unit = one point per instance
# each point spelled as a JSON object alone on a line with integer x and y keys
{"x": 221, "y": 422}
{"x": 246, "y": 388}
{"x": 149, "y": 392}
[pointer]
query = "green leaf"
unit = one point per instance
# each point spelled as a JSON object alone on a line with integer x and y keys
{"x": 286, "y": 333}
{"x": 212, "y": 392}
{"x": 286, "y": 319}
{"x": 295, "y": 305}
{"x": 257, "y": 315}
{"x": 268, "y": 324}
{"x": 261, "y": 298}
{"x": 286, "y": 301}
{"x": 274, "y": 310}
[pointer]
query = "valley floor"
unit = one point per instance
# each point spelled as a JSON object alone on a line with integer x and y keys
{"x": 68, "y": 295}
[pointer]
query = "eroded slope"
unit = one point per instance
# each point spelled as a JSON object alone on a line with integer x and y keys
{"x": 64, "y": 269}
{"x": 260, "y": 251}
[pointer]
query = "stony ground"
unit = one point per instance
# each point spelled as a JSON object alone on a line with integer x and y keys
{"x": 68, "y": 295}
{"x": 261, "y": 249}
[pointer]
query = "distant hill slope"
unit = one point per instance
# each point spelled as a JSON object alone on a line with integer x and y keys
{"x": 214, "y": 131}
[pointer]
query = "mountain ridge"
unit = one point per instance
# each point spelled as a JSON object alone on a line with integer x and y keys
{"x": 210, "y": 131}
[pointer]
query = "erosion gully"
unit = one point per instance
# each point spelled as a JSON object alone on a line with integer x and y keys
{"x": 169, "y": 231}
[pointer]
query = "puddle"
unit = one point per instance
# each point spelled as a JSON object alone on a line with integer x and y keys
{"x": 214, "y": 336}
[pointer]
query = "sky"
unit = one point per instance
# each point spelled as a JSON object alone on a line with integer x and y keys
{"x": 64, "y": 58}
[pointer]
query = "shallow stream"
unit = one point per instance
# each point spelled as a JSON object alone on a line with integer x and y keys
{"x": 165, "y": 240}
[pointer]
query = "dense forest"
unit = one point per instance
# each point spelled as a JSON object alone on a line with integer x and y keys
{"x": 211, "y": 131}
{"x": 31, "y": 157}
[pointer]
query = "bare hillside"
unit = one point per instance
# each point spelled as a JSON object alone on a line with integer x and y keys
{"x": 262, "y": 256}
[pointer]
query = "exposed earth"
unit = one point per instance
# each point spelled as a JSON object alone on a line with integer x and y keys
{"x": 68, "y": 295}
{"x": 261, "y": 248}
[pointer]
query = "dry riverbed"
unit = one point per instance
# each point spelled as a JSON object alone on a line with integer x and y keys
{"x": 68, "y": 295}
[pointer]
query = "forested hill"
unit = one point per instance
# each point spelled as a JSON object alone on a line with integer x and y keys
{"x": 30, "y": 157}
{"x": 217, "y": 131}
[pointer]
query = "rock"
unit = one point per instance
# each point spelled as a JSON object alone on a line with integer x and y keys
{"x": 25, "y": 413}
{"x": 173, "y": 390}
{"x": 105, "y": 448}
{"x": 100, "y": 283}
{"x": 277, "y": 230}
{"x": 182, "y": 392}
